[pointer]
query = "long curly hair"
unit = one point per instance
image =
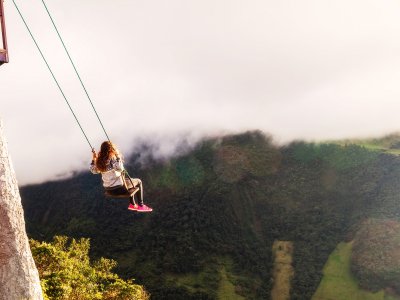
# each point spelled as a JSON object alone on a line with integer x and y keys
{"x": 107, "y": 151}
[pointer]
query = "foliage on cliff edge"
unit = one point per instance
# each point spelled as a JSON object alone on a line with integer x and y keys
{"x": 66, "y": 272}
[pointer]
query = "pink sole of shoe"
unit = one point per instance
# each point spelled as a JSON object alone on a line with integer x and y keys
{"x": 145, "y": 210}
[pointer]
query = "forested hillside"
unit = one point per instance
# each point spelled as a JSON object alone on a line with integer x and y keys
{"x": 218, "y": 208}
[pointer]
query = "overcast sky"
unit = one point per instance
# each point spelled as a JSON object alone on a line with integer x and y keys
{"x": 162, "y": 69}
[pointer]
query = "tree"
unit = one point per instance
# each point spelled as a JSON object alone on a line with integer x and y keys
{"x": 67, "y": 273}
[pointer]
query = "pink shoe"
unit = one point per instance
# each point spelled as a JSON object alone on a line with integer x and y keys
{"x": 133, "y": 207}
{"x": 144, "y": 208}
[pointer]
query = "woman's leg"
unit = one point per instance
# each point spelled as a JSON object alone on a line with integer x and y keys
{"x": 132, "y": 200}
{"x": 137, "y": 183}
{"x": 139, "y": 194}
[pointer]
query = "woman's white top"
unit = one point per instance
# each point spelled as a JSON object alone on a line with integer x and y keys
{"x": 112, "y": 177}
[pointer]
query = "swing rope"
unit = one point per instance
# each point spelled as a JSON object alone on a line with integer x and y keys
{"x": 52, "y": 74}
{"x": 73, "y": 65}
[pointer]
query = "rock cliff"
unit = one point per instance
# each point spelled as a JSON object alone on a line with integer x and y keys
{"x": 19, "y": 278}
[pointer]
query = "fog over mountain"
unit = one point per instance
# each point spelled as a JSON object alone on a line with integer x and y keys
{"x": 164, "y": 71}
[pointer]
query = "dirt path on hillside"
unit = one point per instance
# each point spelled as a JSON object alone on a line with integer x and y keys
{"x": 283, "y": 271}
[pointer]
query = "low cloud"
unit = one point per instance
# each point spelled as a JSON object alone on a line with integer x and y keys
{"x": 162, "y": 70}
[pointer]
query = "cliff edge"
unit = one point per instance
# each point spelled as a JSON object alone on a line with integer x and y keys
{"x": 19, "y": 278}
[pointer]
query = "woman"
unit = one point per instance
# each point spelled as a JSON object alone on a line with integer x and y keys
{"x": 109, "y": 164}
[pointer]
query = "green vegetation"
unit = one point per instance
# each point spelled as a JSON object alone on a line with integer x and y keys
{"x": 66, "y": 273}
{"x": 227, "y": 198}
{"x": 376, "y": 257}
{"x": 338, "y": 283}
{"x": 196, "y": 281}
{"x": 388, "y": 144}
{"x": 226, "y": 288}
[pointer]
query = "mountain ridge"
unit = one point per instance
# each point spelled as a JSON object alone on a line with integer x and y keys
{"x": 220, "y": 207}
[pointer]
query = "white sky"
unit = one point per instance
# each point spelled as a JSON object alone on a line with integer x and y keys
{"x": 159, "y": 69}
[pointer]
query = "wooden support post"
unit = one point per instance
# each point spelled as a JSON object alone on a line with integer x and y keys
{"x": 4, "y": 48}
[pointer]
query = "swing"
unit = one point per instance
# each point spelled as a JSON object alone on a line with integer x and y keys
{"x": 3, "y": 45}
{"x": 130, "y": 190}
{"x": 129, "y": 193}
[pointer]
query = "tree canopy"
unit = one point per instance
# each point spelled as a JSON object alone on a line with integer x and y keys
{"x": 66, "y": 272}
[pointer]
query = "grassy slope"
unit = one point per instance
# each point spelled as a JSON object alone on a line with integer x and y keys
{"x": 200, "y": 281}
{"x": 377, "y": 147}
{"x": 387, "y": 144}
{"x": 226, "y": 288}
{"x": 338, "y": 283}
